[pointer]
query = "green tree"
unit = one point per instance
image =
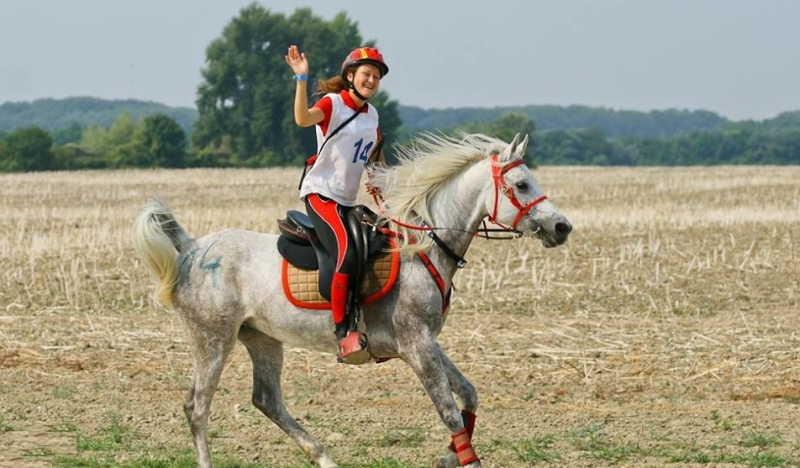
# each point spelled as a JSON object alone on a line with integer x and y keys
{"x": 69, "y": 134}
{"x": 247, "y": 93}
{"x": 504, "y": 128}
{"x": 389, "y": 121}
{"x": 121, "y": 132}
{"x": 159, "y": 140}
{"x": 3, "y": 153}
{"x": 94, "y": 139}
{"x": 27, "y": 150}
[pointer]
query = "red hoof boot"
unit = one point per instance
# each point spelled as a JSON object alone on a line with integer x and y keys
{"x": 352, "y": 349}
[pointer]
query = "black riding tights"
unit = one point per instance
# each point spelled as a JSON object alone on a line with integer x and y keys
{"x": 328, "y": 218}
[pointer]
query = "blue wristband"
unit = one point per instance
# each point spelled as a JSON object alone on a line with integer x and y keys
{"x": 300, "y": 77}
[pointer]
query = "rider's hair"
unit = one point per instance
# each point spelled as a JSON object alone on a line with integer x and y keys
{"x": 332, "y": 85}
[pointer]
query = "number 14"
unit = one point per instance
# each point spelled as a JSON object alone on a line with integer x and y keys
{"x": 359, "y": 154}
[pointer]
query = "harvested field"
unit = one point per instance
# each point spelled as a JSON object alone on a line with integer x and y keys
{"x": 664, "y": 333}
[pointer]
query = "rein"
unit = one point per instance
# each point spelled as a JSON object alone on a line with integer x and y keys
{"x": 500, "y": 186}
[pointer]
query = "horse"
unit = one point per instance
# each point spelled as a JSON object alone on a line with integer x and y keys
{"x": 226, "y": 286}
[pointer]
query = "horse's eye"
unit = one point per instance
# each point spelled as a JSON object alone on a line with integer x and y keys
{"x": 522, "y": 186}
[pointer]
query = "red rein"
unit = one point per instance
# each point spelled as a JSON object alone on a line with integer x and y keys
{"x": 500, "y": 185}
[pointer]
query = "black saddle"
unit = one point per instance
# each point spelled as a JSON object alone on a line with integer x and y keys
{"x": 299, "y": 245}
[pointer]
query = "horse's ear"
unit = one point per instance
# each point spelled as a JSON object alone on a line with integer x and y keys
{"x": 511, "y": 149}
{"x": 523, "y": 147}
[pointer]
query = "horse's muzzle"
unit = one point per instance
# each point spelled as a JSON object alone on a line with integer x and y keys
{"x": 552, "y": 235}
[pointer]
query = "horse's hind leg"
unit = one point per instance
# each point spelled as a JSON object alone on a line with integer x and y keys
{"x": 210, "y": 354}
{"x": 267, "y": 357}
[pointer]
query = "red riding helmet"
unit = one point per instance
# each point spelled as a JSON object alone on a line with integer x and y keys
{"x": 363, "y": 55}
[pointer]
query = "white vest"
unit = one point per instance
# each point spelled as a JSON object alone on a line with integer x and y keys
{"x": 336, "y": 174}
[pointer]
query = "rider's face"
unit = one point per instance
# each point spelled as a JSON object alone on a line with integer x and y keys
{"x": 366, "y": 79}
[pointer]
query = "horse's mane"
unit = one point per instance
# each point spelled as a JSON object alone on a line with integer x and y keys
{"x": 425, "y": 167}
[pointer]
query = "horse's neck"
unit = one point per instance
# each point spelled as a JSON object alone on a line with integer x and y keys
{"x": 458, "y": 210}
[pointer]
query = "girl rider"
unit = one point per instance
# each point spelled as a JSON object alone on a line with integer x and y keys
{"x": 331, "y": 185}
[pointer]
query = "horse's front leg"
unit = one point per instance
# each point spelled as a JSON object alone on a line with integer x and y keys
{"x": 462, "y": 387}
{"x": 465, "y": 392}
{"x": 434, "y": 370}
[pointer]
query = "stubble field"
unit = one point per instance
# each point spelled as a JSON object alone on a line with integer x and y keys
{"x": 664, "y": 333}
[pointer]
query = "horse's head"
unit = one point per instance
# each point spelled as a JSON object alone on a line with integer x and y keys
{"x": 519, "y": 203}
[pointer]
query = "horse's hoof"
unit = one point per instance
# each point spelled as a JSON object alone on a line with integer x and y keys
{"x": 448, "y": 461}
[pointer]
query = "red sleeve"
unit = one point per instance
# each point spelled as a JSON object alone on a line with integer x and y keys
{"x": 326, "y": 106}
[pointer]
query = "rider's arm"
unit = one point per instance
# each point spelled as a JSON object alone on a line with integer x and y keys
{"x": 303, "y": 115}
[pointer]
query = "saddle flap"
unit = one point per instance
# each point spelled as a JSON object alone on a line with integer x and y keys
{"x": 297, "y": 228}
{"x": 374, "y": 240}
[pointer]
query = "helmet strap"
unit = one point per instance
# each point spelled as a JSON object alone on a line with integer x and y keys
{"x": 355, "y": 91}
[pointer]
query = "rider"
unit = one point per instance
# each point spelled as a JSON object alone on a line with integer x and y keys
{"x": 330, "y": 186}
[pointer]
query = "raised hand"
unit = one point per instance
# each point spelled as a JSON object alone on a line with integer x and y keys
{"x": 297, "y": 61}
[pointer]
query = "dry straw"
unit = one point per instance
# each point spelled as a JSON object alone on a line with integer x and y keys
{"x": 680, "y": 281}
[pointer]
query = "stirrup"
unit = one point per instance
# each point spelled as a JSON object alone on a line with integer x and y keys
{"x": 352, "y": 349}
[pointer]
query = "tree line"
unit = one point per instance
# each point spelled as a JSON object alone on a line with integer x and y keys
{"x": 154, "y": 141}
{"x": 777, "y": 143}
{"x": 244, "y": 117}
{"x": 160, "y": 141}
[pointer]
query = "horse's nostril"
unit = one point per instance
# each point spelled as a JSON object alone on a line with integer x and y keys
{"x": 563, "y": 228}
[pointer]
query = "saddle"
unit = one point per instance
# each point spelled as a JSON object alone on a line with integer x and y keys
{"x": 308, "y": 267}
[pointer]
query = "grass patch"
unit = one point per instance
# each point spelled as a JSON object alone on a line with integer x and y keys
{"x": 4, "y": 426}
{"x": 536, "y": 449}
{"x": 39, "y": 452}
{"x": 112, "y": 437}
{"x": 760, "y": 440}
{"x": 404, "y": 437}
{"x": 721, "y": 422}
{"x": 63, "y": 393}
{"x": 188, "y": 460}
{"x": 62, "y": 428}
{"x": 382, "y": 463}
{"x": 594, "y": 443}
{"x": 96, "y": 460}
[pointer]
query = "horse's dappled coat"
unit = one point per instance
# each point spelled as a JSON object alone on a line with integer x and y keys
{"x": 227, "y": 287}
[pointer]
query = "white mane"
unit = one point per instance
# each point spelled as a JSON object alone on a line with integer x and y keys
{"x": 426, "y": 167}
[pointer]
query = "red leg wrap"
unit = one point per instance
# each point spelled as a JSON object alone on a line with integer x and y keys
{"x": 464, "y": 451}
{"x": 469, "y": 422}
{"x": 469, "y": 425}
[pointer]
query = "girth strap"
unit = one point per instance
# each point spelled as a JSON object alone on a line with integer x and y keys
{"x": 445, "y": 291}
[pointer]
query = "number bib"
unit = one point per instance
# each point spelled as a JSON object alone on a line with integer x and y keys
{"x": 336, "y": 173}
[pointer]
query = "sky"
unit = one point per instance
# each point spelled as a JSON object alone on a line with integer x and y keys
{"x": 739, "y": 58}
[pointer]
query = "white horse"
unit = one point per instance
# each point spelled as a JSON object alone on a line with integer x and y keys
{"x": 226, "y": 286}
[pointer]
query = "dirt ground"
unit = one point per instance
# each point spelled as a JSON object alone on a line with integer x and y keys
{"x": 664, "y": 333}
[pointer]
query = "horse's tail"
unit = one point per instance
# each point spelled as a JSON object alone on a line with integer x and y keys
{"x": 157, "y": 239}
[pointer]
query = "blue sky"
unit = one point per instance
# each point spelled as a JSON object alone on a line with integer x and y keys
{"x": 740, "y": 58}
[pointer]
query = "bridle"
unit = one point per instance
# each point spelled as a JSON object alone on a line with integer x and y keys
{"x": 500, "y": 186}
